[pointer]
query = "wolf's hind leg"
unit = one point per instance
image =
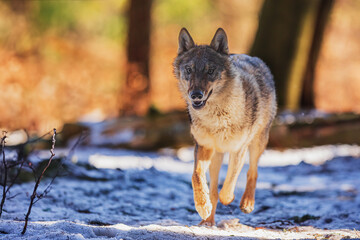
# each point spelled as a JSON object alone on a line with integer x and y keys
{"x": 215, "y": 166}
{"x": 201, "y": 191}
{"x": 256, "y": 148}
{"x": 235, "y": 165}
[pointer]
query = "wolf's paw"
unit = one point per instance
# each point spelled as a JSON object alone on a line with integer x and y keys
{"x": 208, "y": 222}
{"x": 247, "y": 204}
{"x": 202, "y": 203}
{"x": 225, "y": 197}
{"x": 204, "y": 209}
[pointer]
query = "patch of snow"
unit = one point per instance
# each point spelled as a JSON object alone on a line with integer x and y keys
{"x": 98, "y": 138}
{"x": 271, "y": 158}
{"x": 96, "y": 115}
{"x": 315, "y": 155}
{"x": 228, "y": 229}
{"x": 122, "y": 194}
{"x": 16, "y": 137}
{"x": 186, "y": 154}
{"x": 136, "y": 162}
{"x": 289, "y": 117}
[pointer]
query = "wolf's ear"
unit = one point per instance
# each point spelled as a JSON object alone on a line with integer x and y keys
{"x": 219, "y": 42}
{"x": 185, "y": 41}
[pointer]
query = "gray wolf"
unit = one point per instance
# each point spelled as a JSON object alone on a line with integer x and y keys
{"x": 231, "y": 102}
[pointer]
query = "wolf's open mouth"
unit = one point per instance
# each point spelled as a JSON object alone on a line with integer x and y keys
{"x": 200, "y": 104}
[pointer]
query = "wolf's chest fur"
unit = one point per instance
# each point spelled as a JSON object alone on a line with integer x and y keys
{"x": 220, "y": 134}
{"x": 222, "y": 124}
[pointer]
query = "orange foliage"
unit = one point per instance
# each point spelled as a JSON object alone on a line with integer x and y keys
{"x": 49, "y": 79}
{"x": 337, "y": 75}
{"x": 39, "y": 94}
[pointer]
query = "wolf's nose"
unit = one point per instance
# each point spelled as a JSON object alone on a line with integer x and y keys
{"x": 197, "y": 94}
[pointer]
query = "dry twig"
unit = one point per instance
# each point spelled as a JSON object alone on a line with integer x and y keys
{"x": 5, "y": 172}
{"x": 9, "y": 181}
{"x": 34, "y": 194}
{"x": 83, "y": 135}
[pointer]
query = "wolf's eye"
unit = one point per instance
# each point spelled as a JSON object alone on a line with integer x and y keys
{"x": 211, "y": 71}
{"x": 188, "y": 70}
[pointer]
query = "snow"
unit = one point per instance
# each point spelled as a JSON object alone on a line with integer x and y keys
{"x": 121, "y": 194}
{"x": 16, "y": 137}
{"x": 315, "y": 155}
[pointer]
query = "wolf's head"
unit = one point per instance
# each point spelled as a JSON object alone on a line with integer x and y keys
{"x": 201, "y": 69}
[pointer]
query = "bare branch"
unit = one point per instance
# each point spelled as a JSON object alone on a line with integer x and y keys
{"x": 21, "y": 161}
{"x": 5, "y": 172}
{"x": 16, "y": 176}
{"x": 38, "y": 138}
{"x": 83, "y": 135}
{"x": 15, "y": 195}
{"x": 34, "y": 194}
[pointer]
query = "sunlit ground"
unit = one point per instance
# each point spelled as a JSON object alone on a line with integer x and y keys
{"x": 127, "y": 194}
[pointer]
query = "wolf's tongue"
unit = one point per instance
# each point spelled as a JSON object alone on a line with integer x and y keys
{"x": 198, "y": 103}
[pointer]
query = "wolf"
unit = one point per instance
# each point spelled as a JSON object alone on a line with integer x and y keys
{"x": 231, "y": 102}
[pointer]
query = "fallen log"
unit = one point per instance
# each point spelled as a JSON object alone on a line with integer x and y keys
{"x": 327, "y": 129}
{"x": 173, "y": 130}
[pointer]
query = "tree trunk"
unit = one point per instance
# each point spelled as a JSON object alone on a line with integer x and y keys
{"x": 288, "y": 37}
{"x": 307, "y": 96}
{"x": 136, "y": 89}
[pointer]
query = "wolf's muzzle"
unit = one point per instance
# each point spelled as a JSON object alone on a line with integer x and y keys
{"x": 197, "y": 103}
{"x": 196, "y": 95}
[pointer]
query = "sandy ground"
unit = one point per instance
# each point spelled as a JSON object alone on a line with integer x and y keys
{"x": 118, "y": 194}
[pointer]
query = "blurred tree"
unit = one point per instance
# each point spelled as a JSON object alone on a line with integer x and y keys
{"x": 288, "y": 40}
{"x": 307, "y": 93}
{"x": 19, "y": 6}
{"x": 135, "y": 91}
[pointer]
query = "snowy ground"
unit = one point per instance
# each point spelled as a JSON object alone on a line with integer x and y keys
{"x": 119, "y": 194}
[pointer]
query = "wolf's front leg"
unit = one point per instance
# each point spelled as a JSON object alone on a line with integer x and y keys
{"x": 199, "y": 183}
{"x": 256, "y": 148}
{"x": 215, "y": 166}
{"x": 236, "y": 162}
